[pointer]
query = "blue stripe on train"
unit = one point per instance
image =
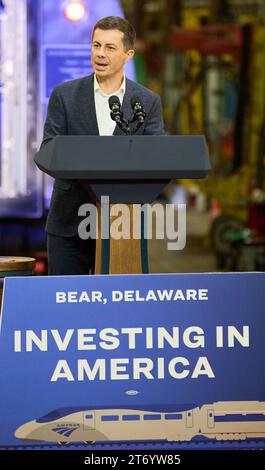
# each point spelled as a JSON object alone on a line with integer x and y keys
{"x": 239, "y": 417}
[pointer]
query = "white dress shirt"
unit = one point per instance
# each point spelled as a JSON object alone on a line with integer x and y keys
{"x": 106, "y": 125}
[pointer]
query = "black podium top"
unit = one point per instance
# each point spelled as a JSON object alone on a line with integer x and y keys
{"x": 125, "y": 157}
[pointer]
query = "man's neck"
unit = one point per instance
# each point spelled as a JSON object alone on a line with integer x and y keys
{"x": 110, "y": 85}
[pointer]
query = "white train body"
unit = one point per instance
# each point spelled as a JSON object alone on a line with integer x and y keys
{"x": 233, "y": 420}
{"x": 221, "y": 420}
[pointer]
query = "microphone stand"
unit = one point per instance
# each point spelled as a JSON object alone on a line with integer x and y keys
{"x": 123, "y": 125}
{"x": 136, "y": 127}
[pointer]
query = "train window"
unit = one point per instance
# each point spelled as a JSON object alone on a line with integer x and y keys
{"x": 130, "y": 418}
{"x": 152, "y": 417}
{"x": 110, "y": 418}
{"x": 88, "y": 416}
{"x": 173, "y": 416}
{"x": 53, "y": 414}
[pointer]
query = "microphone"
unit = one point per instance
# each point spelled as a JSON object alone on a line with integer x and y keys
{"x": 115, "y": 108}
{"x": 139, "y": 113}
{"x": 117, "y": 115}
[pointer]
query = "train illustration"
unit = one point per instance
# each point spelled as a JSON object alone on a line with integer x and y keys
{"x": 230, "y": 420}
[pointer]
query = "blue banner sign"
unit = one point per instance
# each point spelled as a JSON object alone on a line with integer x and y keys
{"x": 64, "y": 63}
{"x": 175, "y": 360}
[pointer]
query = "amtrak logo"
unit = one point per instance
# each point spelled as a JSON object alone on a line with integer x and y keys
{"x": 65, "y": 430}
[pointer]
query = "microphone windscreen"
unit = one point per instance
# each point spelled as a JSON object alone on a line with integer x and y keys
{"x": 134, "y": 100}
{"x": 114, "y": 100}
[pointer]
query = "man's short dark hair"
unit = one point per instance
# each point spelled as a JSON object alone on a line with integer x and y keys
{"x": 115, "y": 22}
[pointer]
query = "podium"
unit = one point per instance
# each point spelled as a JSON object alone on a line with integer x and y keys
{"x": 131, "y": 170}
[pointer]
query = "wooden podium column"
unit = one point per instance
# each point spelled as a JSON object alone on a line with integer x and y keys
{"x": 120, "y": 256}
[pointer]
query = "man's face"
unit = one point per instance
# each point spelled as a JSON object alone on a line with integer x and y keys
{"x": 108, "y": 54}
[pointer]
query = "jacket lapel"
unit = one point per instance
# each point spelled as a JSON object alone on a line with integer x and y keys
{"x": 88, "y": 104}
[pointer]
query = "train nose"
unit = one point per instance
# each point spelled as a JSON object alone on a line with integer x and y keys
{"x": 25, "y": 430}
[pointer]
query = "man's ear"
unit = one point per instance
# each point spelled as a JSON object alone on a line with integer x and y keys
{"x": 129, "y": 54}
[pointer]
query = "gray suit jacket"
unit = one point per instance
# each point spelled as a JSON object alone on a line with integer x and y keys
{"x": 71, "y": 111}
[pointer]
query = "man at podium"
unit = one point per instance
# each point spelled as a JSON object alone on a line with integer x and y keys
{"x": 82, "y": 107}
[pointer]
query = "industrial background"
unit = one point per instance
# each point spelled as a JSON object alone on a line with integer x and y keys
{"x": 206, "y": 58}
